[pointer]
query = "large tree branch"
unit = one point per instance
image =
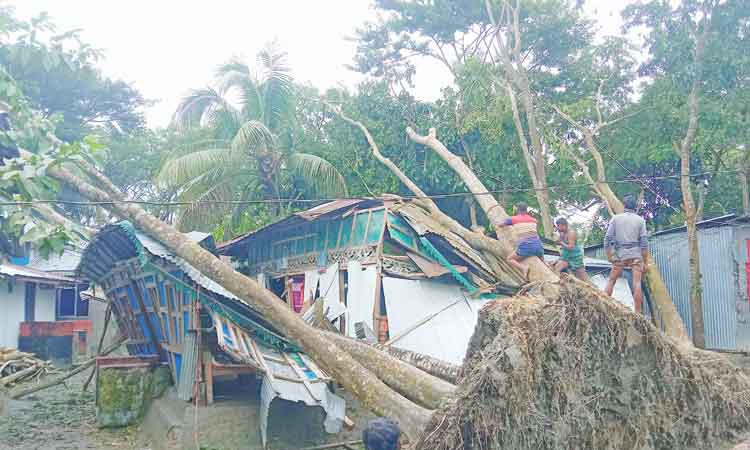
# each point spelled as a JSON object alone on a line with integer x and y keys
{"x": 600, "y": 183}
{"x": 494, "y": 211}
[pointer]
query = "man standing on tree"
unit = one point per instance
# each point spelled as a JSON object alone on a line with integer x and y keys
{"x": 571, "y": 252}
{"x": 528, "y": 242}
{"x": 626, "y": 243}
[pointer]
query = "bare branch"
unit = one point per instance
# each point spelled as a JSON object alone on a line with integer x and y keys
{"x": 411, "y": 185}
{"x": 600, "y": 120}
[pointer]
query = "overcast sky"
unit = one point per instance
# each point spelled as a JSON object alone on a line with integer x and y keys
{"x": 167, "y": 47}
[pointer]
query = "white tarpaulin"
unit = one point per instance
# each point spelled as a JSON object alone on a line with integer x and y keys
{"x": 445, "y": 336}
{"x": 328, "y": 286}
{"x": 360, "y": 296}
{"x": 621, "y": 293}
{"x": 333, "y": 405}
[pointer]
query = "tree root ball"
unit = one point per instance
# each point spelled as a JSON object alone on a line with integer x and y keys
{"x": 565, "y": 367}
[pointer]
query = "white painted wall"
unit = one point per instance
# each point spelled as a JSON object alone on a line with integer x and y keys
{"x": 12, "y": 310}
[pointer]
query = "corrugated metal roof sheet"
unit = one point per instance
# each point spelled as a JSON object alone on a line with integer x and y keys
{"x": 720, "y": 289}
{"x": 588, "y": 262}
{"x": 13, "y": 270}
{"x": 186, "y": 383}
{"x": 325, "y": 208}
{"x": 67, "y": 262}
{"x": 235, "y": 246}
{"x": 725, "y": 220}
{"x": 156, "y": 248}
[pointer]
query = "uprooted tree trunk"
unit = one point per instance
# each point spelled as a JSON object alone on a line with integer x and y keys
{"x": 403, "y": 378}
{"x": 368, "y": 388}
{"x": 666, "y": 309}
{"x": 577, "y": 370}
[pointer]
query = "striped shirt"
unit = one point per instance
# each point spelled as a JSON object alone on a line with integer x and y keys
{"x": 524, "y": 229}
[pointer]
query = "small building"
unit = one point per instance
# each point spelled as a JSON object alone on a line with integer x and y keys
{"x": 724, "y": 246}
{"x": 43, "y": 311}
{"x": 384, "y": 269}
{"x": 171, "y": 312}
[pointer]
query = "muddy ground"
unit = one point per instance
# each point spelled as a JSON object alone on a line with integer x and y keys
{"x": 63, "y": 418}
{"x": 60, "y": 418}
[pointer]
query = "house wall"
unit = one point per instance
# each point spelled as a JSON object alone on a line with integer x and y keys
{"x": 719, "y": 265}
{"x": 12, "y": 310}
{"x": 742, "y": 238}
{"x": 12, "y": 307}
{"x": 97, "y": 311}
{"x": 316, "y": 238}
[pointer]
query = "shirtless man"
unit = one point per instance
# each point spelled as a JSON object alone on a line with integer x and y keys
{"x": 626, "y": 243}
{"x": 571, "y": 252}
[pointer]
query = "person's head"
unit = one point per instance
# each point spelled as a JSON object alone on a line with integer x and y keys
{"x": 562, "y": 224}
{"x": 381, "y": 434}
{"x": 522, "y": 208}
{"x": 629, "y": 202}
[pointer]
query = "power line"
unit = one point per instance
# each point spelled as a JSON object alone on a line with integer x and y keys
{"x": 329, "y": 199}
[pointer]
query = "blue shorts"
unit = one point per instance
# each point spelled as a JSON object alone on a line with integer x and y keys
{"x": 526, "y": 249}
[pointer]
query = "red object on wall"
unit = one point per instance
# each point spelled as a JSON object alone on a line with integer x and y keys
{"x": 61, "y": 328}
{"x": 298, "y": 293}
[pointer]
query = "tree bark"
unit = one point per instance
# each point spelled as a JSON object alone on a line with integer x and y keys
{"x": 516, "y": 77}
{"x": 691, "y": 211}
{"x": 428, "y": 390}
{"x": 435, "y": 367}
{"x": 742, "y": 177}
{"x": 540, "y": 163}
{"x": 356, "y": 378}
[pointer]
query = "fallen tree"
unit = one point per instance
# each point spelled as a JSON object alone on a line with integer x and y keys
{"x": 360, "y": 381}
{"x": 578, "y": 370}
{"x": 559, "y": 366}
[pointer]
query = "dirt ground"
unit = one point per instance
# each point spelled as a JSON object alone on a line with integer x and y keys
{"x": 60, "y": 418}
{"x": 63, "y": 418}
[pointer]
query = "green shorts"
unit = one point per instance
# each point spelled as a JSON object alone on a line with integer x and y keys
{"x": 574, "y": 258}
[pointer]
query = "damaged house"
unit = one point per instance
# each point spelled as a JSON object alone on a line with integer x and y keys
{"x": 169, "y": 311}
{"x": 384, "y": 270}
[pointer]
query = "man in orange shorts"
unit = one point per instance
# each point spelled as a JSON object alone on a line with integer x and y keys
{"x": 626, "y": 243}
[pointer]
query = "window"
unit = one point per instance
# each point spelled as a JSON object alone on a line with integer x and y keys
{"x": 70, "y": 304}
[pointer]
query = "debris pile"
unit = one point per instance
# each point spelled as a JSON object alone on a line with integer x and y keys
{"x": 564, "y": 366}
{"x": 17, "y": 367}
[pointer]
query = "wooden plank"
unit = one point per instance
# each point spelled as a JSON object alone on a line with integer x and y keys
{"x": 147, "y": 319}
{"x": 262, "y": 361}
{"x": 208, "y": 361}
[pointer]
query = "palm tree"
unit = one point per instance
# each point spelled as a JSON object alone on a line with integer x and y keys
{"x": 241, "y": 118}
